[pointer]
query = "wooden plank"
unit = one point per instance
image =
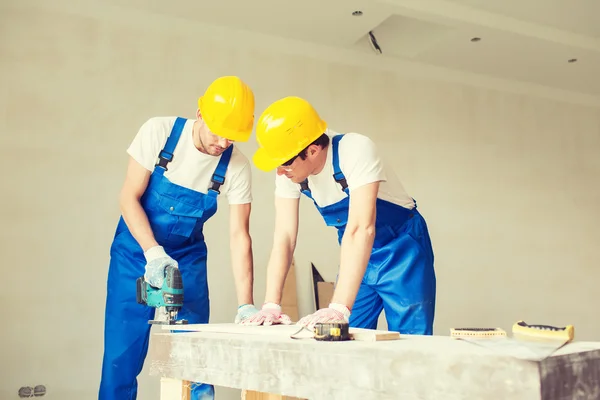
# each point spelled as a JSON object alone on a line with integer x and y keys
{"x": 371, "y": 335}
{"x": 282, "y": 331}
{"x": 423, "y": 367}
{"x": 289, "y": 306}
{"x": 571, "y": 376}
{"x": 252, "y": 395}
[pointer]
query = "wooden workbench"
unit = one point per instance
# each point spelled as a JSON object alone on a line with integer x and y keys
{"x": 414, "y": 367}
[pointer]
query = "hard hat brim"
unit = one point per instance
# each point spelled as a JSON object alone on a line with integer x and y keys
{"x": 264, "y": 162}
{"x": 236, "y": 136}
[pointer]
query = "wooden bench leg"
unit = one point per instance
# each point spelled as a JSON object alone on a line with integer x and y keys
{"x": 174, "y": 389}
{"x": 252, "y": 395}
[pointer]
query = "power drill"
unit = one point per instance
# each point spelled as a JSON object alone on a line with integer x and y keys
{"x": 170, "y": 295}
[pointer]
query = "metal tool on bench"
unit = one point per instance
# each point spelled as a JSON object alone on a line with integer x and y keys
{"x": 530, "y": 342}
{"x": 326, "y": 331}
{"x": 169, "y": 296}
{"x": 477, "y": 332}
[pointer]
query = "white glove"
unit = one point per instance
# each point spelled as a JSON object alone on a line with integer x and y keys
{"x": 156, "y": 262}
{"x": 269, "y": 314}
{"x": 244, "y": 312}
{"x": 333, "y": 313}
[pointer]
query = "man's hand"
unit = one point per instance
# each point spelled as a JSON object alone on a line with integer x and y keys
{"x": 270, "y": 314}
{"x": 156, "y": 262}
{"x": 245, "y": 312}
{"x": 333, "y": 313}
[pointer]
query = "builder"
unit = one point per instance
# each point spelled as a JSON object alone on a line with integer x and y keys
{"x": 386, "y": 259}
{"x": 164, "y": 206}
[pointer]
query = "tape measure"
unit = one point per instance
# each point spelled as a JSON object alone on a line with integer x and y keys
{"x": 332, "y": 331}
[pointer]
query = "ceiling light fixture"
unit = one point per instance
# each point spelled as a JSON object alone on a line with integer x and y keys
{"x": 475, "y": 39}
{"x": 572, "y": 60}
{"x": 373, "y": 42}
{"x": 357, "y": 13}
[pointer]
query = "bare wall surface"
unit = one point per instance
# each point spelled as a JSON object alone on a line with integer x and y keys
{"x": 508, "y": 183}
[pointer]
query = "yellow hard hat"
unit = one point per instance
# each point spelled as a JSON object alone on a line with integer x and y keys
{"x": 227, "y": 108}
{"x": 284, "y": 129}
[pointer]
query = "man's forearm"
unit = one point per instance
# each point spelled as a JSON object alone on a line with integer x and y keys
{"x": 356, "y": 249}
{"x": 137, "y": 221}
{"x": 277, "y": 269}
{"x": 243, "y": 269}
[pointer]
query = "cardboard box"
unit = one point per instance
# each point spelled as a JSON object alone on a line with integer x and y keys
{"x": 324, "y": 294}
{"x": 289, "y": 301}
{"x": 323, "y": 291}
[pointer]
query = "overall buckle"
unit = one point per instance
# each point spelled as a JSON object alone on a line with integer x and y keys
{"x": 341, "y": 179}
{"x": 164, "y": 157}
{"x": 217, "y": 181}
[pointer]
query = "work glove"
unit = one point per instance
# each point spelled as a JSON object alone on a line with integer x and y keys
{"x": 244, "y": 312}
{"x": 333, "y": 313}
{"x": 156, "y": 262}
{"x": 269, "y": 314}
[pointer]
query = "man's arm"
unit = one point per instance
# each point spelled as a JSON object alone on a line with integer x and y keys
{"x": 357, "y": 243}
{"x": 284, "y": 244}
{"x": 356, "y": 247}
{"x": 241, "y": 252}
{"x": 136, "y": 181}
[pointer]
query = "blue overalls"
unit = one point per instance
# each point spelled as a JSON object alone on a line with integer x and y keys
{"x": 177, "y": 216}
{"x": 400, "y": 277}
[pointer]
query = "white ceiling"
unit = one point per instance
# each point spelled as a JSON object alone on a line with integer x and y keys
{"x": 522, "y": 42}
{"x": 578, "y": 16}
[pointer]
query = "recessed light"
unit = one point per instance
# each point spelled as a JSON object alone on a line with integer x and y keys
{"x": 357, "y": 13}
{"x": 572, "y": 60}
{"x": 475, "y": 39}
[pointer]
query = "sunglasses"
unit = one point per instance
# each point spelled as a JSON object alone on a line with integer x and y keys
{"x": 290, "y": 161}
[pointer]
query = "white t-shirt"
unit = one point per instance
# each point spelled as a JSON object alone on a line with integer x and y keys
{"x": 190, "y": 167}
{"x": 360, "y": 164}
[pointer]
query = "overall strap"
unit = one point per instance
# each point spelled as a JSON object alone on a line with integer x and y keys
{"x": 218, "y": 177}
{"x": 165, "y": 156}
{"x": 304, "y": 189}
{"x": 338, "y": 175}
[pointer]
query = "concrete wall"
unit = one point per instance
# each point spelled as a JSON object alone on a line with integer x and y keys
{"x": 507, "y": 182}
